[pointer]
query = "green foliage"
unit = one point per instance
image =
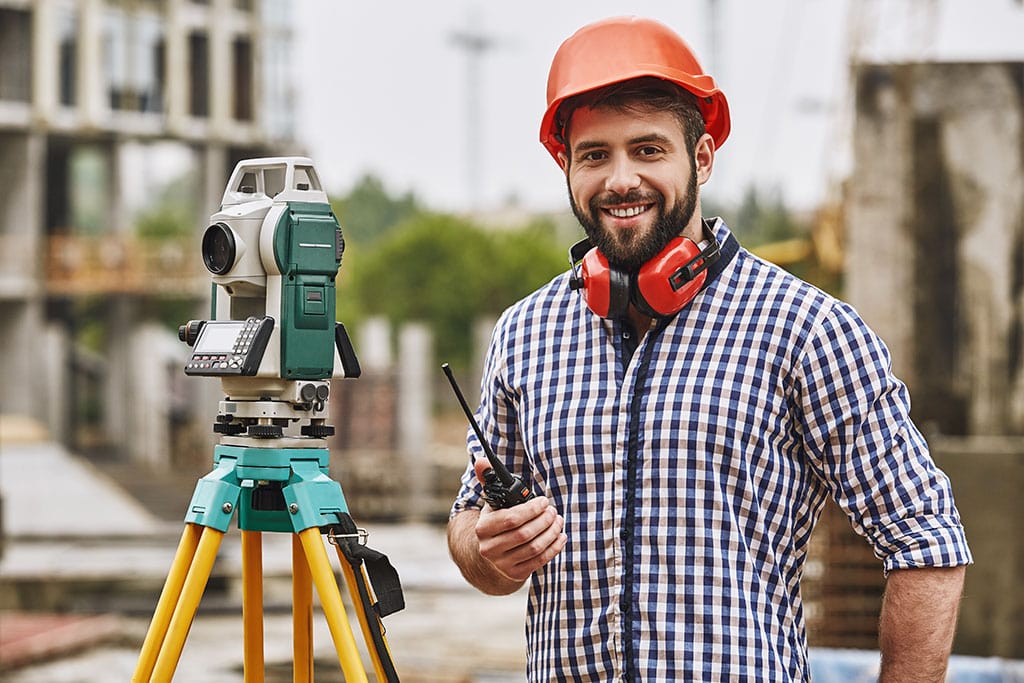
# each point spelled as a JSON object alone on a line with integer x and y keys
{"x": 172, "y": 213}
{"x": 446, "y": 272}
{"x": 527, "y": 258}
{"x": 759, "y": 221}
{"x": 367, "y": 213}
{"x": 165, "y": 221}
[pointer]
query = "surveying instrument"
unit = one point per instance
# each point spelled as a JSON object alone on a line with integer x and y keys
{"x": 274, "y": 249}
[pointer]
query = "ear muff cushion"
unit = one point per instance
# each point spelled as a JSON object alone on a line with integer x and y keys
{"x": 658, "y": 278}
{"x": 605, "y": 289}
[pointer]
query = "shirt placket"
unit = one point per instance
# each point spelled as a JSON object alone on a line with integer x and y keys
{"x": 634, "y": 367}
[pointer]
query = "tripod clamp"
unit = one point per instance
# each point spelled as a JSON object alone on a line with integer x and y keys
{"x": 361, "y": 536}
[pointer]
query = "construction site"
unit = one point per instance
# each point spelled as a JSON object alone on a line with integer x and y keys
{"x": 102, "y": 436}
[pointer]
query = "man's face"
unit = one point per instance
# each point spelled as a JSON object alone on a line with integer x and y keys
{"x": 632, "y": 183}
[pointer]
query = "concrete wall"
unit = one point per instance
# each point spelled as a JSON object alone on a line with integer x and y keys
{"x": 935, "y": 235}
{"x": 988, "y": 476}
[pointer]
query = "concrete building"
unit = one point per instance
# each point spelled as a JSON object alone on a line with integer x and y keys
{"x": 935, "y": 236}
{"x": 114, "y": 115}
{"x": 935, "y": 262}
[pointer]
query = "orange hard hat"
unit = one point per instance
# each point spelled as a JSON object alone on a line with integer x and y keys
{"x": 620, "y": 49}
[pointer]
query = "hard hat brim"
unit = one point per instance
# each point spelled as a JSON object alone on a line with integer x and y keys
{"x": 711, "y": 100}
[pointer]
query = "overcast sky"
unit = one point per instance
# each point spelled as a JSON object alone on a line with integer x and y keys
{"x": 383, "y": 89}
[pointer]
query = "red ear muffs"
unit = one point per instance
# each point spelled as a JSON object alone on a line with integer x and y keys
{"x": 662, "y": 287}
{"x": 605, "y": 288}
{"x": 670, "y": 280}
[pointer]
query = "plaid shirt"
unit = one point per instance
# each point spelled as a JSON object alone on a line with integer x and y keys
{"x": 691, "y": 473}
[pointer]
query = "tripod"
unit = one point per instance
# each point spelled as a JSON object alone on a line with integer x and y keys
{"x": 275, "y": 485}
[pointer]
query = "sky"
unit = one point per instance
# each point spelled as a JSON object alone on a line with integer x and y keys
{"x": 382, "y": 88}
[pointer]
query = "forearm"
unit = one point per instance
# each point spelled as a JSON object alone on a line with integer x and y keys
{"x": 919, "y": 613}
{"x": 465, "y": 551}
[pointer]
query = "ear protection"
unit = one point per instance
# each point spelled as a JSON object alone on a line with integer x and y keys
{"x": 663, "y": 286}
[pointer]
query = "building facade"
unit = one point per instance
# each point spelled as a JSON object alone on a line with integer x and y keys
{"x": 120, "y": 121}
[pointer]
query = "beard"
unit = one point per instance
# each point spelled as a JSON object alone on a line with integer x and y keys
{"x": 629, "y": 249}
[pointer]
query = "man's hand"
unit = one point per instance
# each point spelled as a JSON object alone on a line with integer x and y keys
{"x": 497, "y": 550}
{"x": 919, "y": 614}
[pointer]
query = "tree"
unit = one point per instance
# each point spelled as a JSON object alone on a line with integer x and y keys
{"x": 447, "y": 272}
{"x": 368, "y": 213}
{"x": 759, "y": 222}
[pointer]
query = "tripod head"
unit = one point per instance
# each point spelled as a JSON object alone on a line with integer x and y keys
{"x": 273, "y": 250}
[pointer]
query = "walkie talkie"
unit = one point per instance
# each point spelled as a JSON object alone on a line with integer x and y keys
{"x": 501, "y": 489}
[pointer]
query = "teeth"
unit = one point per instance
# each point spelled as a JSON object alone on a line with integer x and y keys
{"x": 626, "y": 213}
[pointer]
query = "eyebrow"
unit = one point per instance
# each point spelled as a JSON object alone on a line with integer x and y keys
{"x": 652, "y": 137}
{"x": 588, "y": 145}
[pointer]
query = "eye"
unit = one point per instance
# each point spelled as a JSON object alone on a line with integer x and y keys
{"x": 593, "y": 155}
{"x": 649, "y": 151}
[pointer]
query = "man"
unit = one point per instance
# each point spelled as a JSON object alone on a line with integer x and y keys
{"x": 683, "y": 410}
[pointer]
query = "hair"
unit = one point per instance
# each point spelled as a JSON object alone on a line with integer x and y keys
{"x": 644, "y": 94}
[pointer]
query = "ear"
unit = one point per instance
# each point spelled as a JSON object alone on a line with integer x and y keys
{"x": 704, "y": 158}
{"x": 563, "y": 161}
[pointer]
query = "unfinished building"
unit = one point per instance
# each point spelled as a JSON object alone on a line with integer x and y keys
{"x": 119, "y": 123}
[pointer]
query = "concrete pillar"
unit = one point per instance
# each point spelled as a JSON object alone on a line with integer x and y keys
{"x": 55, "y": 383}
{"x": 21, "y": 212}
{"x": 935, "y": 236}
{"x": 149, "y": 409}
{"x": 221, "y": 89}
{"x": 374, "y": 346}
{"x": 117, "y": 383}
{"x": 989, "y": 200}
{"x": 878, "y": 246}
{"x": 482, "y": 331}
{"x": 92, "y": 83}
{"x": 176, "y": 86}
{"x": 215, "y": 175}
{"x": 44, "y": 60}
{"x": 23, "y": 361}
{"x": 415, "y": 377}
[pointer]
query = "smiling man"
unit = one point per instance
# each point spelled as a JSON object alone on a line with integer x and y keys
{"x": 683, "y": 410}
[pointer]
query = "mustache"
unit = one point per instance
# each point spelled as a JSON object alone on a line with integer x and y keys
{"x": 634, "y": 196}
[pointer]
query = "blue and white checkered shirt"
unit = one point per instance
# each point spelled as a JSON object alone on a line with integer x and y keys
{"x": 691, "y": 474}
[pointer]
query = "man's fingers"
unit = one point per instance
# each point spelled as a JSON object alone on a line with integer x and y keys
{"x": 522, "y": 570}
{"x": 535, "y": 537}
{"x": 521, "y": 539}
{"x": 493, "y": 522}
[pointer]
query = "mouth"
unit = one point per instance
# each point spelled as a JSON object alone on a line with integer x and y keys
{"x": 626, "y": 211}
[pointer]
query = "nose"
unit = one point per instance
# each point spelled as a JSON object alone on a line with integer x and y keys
{"x": 623, "y": 176}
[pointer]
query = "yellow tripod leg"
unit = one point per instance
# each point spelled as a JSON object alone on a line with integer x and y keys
{"x": 252, "y": 606}
{"x": 168, "y": 600}
{"x": 302, "y": 615}
{"x": 334, "y": 610}
{"x": 353, "y": 589}
{"x": 191, "y": 594}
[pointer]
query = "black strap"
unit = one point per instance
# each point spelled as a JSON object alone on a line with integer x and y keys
{"x": 383, "y": 577}
{"x": 385, "y": 582}
{"x": 376, "y": 631}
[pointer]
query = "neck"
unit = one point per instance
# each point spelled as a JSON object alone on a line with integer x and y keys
{"x": 694, "y": 229}
{"x": 641, "y": 323}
